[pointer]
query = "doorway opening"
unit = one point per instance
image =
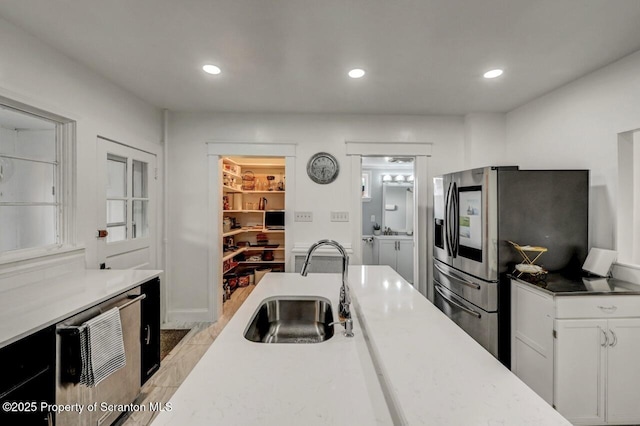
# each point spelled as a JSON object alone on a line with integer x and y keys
{"x": 389, "y": 213}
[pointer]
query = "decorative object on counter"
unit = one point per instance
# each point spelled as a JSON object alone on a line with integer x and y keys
{"x": 528, "y": 266}
{"x": 376, "y": 228}
{"x": 323, "y": 168}
{"x": 599, "y": 261}
{"x": 248, "y": 181}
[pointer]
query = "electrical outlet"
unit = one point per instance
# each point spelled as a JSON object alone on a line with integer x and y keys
{"x": 339, "y": 216}
{"x": 304, "y": 216}
{"x": 373, "y": 218}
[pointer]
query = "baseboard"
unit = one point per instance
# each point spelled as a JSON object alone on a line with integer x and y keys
{"x": 182, "y": 316}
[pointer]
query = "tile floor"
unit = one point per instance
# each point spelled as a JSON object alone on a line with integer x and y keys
{"x": 180, "y": 361}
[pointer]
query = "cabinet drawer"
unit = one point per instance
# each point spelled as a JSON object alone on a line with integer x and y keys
{"x": 598, "y": 306}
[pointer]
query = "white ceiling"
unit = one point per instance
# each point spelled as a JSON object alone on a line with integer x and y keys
{"x": 421, "y": 56}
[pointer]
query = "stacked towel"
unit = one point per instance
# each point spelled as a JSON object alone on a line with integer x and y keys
{"x": 101, "y": 347}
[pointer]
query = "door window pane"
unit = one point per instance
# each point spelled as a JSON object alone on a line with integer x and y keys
{"x": 25, "y": 181}
{"x": 140, "y": 222}
{"x": 27, "y": 226}
{"x": 116, "y": 177}
{"x": 139, "y": 179}
{"x": 116, "y": 212}
{"x": 116, "y": 233}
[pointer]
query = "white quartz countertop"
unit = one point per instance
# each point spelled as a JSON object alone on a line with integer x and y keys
{"x": 435, "y": 373}
{"x": 417, "y": 367}
{"x": 239, "y": 382}
{"x": 29, "y": 308}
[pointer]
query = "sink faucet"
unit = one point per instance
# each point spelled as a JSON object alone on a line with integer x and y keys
{"x": 344, "y": 308}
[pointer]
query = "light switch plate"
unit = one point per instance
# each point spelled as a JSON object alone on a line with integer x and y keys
{"x": 303, "y": 216}
{"x": 339, "y": 216}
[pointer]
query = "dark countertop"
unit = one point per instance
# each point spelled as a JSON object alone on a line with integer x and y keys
{"x": 559, "y": 284}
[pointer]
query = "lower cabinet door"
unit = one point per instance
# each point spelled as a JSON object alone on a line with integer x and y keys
{"x": 387, "y": 253}
{"x": 623, "y": 374}
{"x": 150, "y": 329}
{"x": 580, "y": 370}
{"x": 405, "y": 259}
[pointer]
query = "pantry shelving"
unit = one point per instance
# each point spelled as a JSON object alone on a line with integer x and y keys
{"x": 253, "y": 204}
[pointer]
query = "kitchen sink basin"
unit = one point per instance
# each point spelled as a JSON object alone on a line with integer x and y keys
{"x": 294, "y": 319}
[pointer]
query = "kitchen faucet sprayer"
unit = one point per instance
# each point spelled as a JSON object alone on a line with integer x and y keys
{"x": 344, "y": 308}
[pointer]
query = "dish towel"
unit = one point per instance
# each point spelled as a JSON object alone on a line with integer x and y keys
{"x": 101, "y": 347}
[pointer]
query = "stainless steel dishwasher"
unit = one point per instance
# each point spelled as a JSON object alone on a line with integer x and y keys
{"x": 120, "y": 388}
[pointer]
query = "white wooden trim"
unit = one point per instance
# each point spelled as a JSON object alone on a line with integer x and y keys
{"x": 256, "y": 149}
{"x": 189, "y": 316}
{"x": 421, "y": 225}
{"x": 356, "y": 208}
{"x": 387, "y": 148}
{"x": 421, "y": 151}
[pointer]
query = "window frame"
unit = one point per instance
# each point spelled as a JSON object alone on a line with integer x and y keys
{"x": 65, "y": 186}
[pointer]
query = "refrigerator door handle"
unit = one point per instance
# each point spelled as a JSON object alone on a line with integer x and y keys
{"x": 456, "y": 277}
{"x": 454, "y": 220}
{"x": 447, "y": 217}
{"x": 456, "y": 304}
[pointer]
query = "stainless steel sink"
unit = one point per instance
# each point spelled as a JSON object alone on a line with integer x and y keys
{"x": 295, "y": 319}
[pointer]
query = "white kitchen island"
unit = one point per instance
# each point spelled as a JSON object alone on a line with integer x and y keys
{"x": 416, "y": 367}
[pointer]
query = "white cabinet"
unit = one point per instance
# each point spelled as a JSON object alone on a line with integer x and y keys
{"x": 580, "y": 353}
{"x": 397, "y": 253}
{"x": 580, "y": 366}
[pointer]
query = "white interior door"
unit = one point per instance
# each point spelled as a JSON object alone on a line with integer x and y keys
{"x": 126, "y": 206}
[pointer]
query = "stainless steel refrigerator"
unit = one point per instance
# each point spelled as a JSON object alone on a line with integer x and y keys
{"x": 476, "y": 213}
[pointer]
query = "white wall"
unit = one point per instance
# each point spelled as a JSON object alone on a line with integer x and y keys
{"x": 484, "y": 140}
{"x": 188, "y": 133}
{"x": 33, "y": 73}
{"x": 577, "y": 126}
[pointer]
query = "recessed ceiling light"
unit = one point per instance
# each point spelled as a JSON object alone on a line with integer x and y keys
{"x": 211, "y": 69}
{"x": 493, "y": 73}
{"x": 356, "y": 73}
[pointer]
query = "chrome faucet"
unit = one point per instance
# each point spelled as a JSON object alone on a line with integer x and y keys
{"x": 344, "y": 308}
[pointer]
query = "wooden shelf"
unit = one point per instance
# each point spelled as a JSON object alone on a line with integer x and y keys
{"x": 263, "y": 192}
{"x": 230, "y": 173}
{"x": 259, "y": 248}
{"x": 244, "y": 230}
{"x": 226, "y": 188}
{"x": 244, "y": 211}
{"x": 230, "y": 269}
{"x": 233, "y": 254}
{"x": 261, "y": 261}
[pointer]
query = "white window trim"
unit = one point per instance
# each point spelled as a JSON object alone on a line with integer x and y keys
{"x": 66, "y": 187}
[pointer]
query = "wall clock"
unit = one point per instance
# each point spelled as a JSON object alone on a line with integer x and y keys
{"x": 323, "y": 168}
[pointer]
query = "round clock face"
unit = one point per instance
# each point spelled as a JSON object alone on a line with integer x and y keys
{"x": 323, "y": 168}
